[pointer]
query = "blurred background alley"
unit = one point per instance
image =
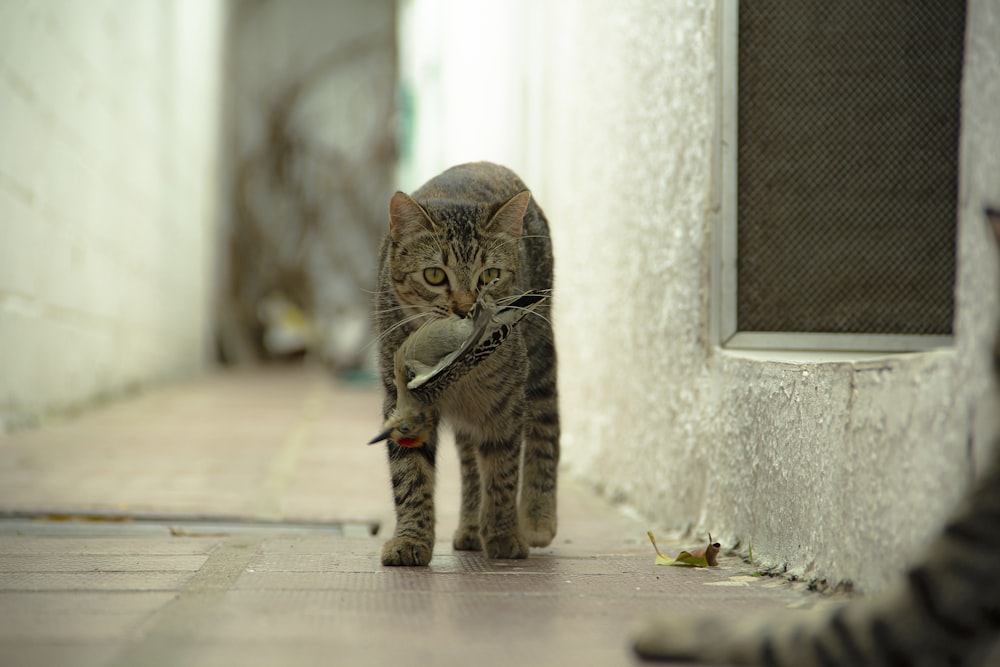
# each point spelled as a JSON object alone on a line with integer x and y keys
{"x": 195, "y": 189}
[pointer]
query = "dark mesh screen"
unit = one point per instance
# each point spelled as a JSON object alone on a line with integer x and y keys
{"x": 848, "y": 165}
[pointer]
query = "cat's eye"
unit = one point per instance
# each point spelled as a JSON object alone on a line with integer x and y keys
{"x": 488, "y": 276}
{"x": 435, "y": 276}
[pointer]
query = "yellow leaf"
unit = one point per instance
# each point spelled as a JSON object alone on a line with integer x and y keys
{"x": 660, "y": 558}
{"x": 701, "y": 557}
{"x": 689, "y": 559}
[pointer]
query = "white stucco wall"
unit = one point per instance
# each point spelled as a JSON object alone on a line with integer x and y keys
{"x": 108, "y": 128}
{"x": 818, "y": 464}
{"x": 470, "y": 70}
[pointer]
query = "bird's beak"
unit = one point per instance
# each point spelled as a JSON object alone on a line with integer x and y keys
{"x": 384, "y": 435}
{"x": 399, "y": 439}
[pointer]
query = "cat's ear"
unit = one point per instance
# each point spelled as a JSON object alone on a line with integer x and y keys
{"x": 405, "y": 215}
{"x": 510, "y": 217}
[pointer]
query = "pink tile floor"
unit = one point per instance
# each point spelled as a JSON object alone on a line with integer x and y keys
{"x": 193, "y": 586}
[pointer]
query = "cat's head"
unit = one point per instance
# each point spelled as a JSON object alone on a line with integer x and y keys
{"x": 442, "y": 253}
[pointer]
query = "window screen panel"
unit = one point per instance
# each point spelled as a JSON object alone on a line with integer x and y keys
{"x": 847, "y": 165}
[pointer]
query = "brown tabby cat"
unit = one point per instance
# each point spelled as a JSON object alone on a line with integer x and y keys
{"x": 947, "y": 612}
{"x": 471, "y": 225}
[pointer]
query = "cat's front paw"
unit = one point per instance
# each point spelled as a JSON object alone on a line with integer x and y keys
{"x": 508, "y": 545}
{"x": 467, "y": 539}
{"x": 406, "y": 551}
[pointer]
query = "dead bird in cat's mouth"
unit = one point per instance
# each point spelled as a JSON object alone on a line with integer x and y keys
{"x": 440, "y": 352}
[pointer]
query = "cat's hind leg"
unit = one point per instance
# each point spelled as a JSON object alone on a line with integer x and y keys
{"x": 537, "y": 508}
{"x": 467, "y": 536}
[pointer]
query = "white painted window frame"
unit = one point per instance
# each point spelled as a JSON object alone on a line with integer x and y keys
{"x": 724, "y": 234}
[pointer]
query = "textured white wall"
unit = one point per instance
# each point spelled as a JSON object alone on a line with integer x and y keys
{"x": 820, "y": 465}
{"x": 839, "y": 469}
{"x": 108, "y": 123}
{"x": 468, "y": 67}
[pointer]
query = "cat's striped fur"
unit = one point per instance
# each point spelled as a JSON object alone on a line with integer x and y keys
{"x": 459, "y": 231}
{"x": 946, "y": 612}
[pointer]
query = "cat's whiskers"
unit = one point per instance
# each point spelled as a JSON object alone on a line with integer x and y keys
{"x": 511, "y": 298}
{"x": 401, "y": 323}
{"x": 396, "y": 309}
{"x": 506, "y": 301}
{"x": 531, "y": 311}
{"x": 500, "y": 242}
{"x": 494, "y": 245}
{"x": 436, "y": 235}
{"x": 545, "y": 292}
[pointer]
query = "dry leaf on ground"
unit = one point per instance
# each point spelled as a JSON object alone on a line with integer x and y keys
{"x": 707, "y": 556}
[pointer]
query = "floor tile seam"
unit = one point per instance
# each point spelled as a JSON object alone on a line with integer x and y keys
{"x": 66, "y": 614}
{"x": 194, "y": 603}
{"x": 282, "y": 466}
{"x": 688, "y": 592}
{"x": 116, "y": 553}
{"x": 52, "y": 642}
{"x": 629, "y": 591}
{"x": 59, "y": 557}
{"x": 428, "y": 575}
{"x": 102, "y": 571}
{"x": 89, "y": 591}
{"x": 551, "y": 594}
{"x": 103, "y": 592}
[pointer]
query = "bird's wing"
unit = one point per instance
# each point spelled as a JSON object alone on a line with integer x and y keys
{"x": 489, "y": 330}
{"x": 480, "y": 322}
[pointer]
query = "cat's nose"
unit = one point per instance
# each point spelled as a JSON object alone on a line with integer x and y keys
{"x": 462, "y": 306}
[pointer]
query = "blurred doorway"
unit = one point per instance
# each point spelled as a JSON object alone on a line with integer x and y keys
{"x": 310, "y": 152}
